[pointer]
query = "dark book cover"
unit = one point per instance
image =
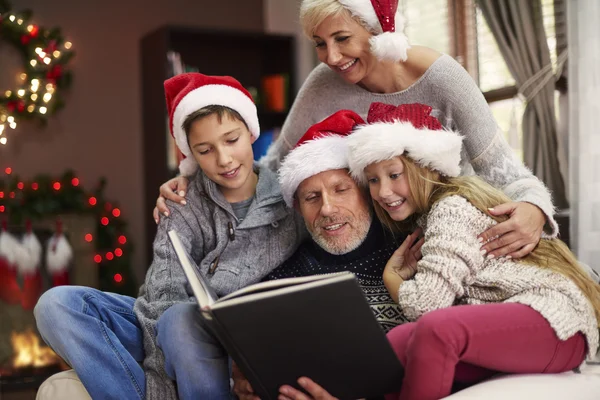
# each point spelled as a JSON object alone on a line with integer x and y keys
{"x": 319, "y": 326}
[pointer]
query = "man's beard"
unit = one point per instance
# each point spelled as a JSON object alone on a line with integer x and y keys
{"x": 342, "y": 244}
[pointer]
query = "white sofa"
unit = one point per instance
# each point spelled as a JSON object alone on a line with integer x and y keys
{"x": 569, "y": 385}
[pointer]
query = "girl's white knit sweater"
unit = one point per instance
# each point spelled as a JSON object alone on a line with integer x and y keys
{"x": 453, "y": 271}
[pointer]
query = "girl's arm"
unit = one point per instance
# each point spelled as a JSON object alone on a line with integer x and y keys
{"x": 451, "y": 257}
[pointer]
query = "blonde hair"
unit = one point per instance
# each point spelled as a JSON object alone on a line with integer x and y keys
{"x": 428, "y": 187}
{"x": 314, "y": 12}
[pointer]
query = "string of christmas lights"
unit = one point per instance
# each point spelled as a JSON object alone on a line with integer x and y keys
{"x": 45, "y": 197}
{"x": 45, "y": 54}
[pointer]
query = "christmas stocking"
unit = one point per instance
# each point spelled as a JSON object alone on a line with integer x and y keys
{"x": 10, "y": 292}
{"x": 58, "y": 257}
{"x": 28, "y": 264}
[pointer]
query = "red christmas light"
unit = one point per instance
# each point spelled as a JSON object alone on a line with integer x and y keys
{"x": 118, "y": 278}
{"x": 116, "y": 212}
{"x": 1, "y": 209}
{"x": 56, "y": 186}
{"x": 89, "y": 237}
{"x": 118, "y": 252}
{"x": 20, "y": 185}
{"x": 1, "y": 195}
{"x": 92, "y": 200}
{"x": 35, "y": 186}
{"x": 98, "y": 258}
{"x": 122, "y": 239}
{"x": 75, "y": 182}
{"x": 104, "y": 221}
{"x": 11, "y": 195}
{"x": 110, "y": 256}
{"x": 8, "y": 170}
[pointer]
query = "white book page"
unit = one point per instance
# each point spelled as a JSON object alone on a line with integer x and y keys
{"x": 279, "y": 283}
{"x": 205, "y": 295}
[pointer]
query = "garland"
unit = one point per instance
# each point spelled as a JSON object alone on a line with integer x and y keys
{"x": 44, "y": 76}
{"x": 48, "y": 197}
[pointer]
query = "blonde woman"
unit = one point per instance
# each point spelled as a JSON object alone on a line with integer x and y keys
{"x": 475, "y": 315}
{"x": 366, "y": 58}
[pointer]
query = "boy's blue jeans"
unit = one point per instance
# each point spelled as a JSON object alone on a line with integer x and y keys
{"x": 98, "y": 335}
{"x": 194, "y": 358}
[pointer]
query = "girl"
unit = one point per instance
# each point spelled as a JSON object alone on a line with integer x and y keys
{"x": 538, "y": 314}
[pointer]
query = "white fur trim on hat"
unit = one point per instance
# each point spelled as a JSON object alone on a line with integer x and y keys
{"x": 221, "y": 95}
{"x": 309, "y": 159}
{"x": 392, "y": 46}
{"x": 436, "y": 149}
{"x": 188, "y": 166}
{"x": 384, "y": 45}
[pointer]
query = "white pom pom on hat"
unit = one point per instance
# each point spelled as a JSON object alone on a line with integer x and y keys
{"x": 383, "y": 17}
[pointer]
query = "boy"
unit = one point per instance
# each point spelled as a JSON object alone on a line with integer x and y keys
{"x": 236, "y": 228}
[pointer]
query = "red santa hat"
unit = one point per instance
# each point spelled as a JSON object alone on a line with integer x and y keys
{"x": 407, "y": 130}
{"x": 386, "y": 21}
{"x": 188, "y": 93}
{"x": 322, "y": 148}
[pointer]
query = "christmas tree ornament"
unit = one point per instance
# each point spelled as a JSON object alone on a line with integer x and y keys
{"x": 28, "y": 265}
{"x": 59, "y": 255}
{"x": 10, "y": 291}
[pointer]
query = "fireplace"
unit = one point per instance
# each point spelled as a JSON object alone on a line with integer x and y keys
{"x": 29, "y": 365}
{"x": 25, "y": 360}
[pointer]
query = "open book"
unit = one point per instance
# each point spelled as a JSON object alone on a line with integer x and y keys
{"x": 317, "y": 326}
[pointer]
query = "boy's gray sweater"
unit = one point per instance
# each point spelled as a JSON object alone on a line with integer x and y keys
{"x": 240, "y": 253}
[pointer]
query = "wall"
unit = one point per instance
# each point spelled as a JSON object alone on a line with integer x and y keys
{"x": 584, "y": 136}
{"x": 281, "y": 16}
{"x": 99, "y": 131}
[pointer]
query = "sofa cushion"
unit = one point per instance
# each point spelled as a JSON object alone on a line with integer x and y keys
{"x": 64, "y": 385}
{"x": 568, "y": 385}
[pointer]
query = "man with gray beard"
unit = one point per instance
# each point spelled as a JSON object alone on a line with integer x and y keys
{"x": 345, "y": 235}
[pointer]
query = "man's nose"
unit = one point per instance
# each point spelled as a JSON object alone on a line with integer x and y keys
{"x": 328, "y": 206}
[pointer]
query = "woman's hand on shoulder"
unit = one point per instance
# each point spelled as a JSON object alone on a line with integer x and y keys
{"x": 174, "y": 190}
{"x": 518, "y": 235}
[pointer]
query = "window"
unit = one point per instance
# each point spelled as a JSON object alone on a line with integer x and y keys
{"x": 458, "y": 28}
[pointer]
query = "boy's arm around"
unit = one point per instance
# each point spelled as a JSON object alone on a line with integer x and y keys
{"x": 164, "y": 286}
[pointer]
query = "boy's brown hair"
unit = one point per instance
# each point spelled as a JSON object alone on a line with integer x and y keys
{"x": 219, "y": 111}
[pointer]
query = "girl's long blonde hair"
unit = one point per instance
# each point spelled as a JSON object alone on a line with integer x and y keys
{"x": 428, "y": 187}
